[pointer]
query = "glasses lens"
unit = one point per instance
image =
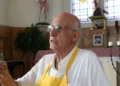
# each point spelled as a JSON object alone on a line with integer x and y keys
{"x": 50, "y": 27}
{"x": 57, "y": 27}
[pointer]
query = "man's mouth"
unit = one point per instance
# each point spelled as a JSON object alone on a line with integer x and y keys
{"x": 52, "y": 41}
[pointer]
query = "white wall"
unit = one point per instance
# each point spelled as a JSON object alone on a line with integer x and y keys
{"x": 110, "y": 72}
{"x": 25, "y": 12}
{"x": 22, "y": 12}
{"x": 3, "y": 12}
{"x": 56, "y": 6}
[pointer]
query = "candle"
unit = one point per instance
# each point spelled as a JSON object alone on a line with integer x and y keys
{"x": 110, "y": 44}
{"x": 116, "y": 26}
{"x": 104, "y": 24}
{"x": 118, "y": 43}
{"x": 116, "y": 23}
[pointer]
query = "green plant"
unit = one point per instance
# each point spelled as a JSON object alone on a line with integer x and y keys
{"x": 42, "y": 23}
{"x": 31, "y": 40}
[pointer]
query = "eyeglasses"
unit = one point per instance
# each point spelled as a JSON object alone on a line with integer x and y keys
{"x": 57, "y": 27}
{"x": 50, "y": 27}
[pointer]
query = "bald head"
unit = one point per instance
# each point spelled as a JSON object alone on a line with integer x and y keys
{"x": 64, "y": 33}
{"x": 68, "y": 19}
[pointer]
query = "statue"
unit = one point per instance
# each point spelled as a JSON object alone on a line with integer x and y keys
{"x": 98, "y": 11}
{"x": 44, "y": 7}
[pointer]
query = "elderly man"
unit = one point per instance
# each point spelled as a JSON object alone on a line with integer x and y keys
{"x": 68, "y": 66}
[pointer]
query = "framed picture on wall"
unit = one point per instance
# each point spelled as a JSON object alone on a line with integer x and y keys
{"x": 98, "y": 37}
{"x": 98, "y": 40}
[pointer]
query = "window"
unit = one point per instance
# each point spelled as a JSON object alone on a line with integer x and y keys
{"x": 113, "y": 8}
{"x": 82, "y": 10}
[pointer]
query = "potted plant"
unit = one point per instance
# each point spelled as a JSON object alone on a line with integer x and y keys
{"x": 42, "y": 23}
{"x": 31, "y": 40}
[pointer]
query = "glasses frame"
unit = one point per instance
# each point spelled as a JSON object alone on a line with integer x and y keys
{"x": 57, "y": 27}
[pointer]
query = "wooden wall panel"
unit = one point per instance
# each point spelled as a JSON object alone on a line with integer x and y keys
{"x": 5, "y": 34}
{"x": 16, "y": 54}
{"x": 8, "y": 34}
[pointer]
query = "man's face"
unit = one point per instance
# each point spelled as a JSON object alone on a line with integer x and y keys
{"x": 61, "y": 35}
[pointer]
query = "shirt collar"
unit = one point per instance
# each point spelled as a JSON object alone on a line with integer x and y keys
{"x": 64, "y": 62}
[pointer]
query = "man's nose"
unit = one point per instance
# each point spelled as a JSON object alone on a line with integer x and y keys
{"x": 53, "y": 32}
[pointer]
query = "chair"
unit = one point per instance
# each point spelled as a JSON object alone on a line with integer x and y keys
{"x": 41, "y": 53}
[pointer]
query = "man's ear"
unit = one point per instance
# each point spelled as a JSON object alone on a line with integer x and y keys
{"x": 76, "y": 36}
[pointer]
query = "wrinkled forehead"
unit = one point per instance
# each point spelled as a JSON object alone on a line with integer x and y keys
{"x": 63, "y": 21}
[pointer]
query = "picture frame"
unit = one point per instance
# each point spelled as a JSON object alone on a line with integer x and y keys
{"x": 98, "y": 40}
{"x": 98, "y": 37}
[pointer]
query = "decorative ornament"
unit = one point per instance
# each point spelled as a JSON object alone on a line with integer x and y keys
{"x": 98, "y": 11}
{"x": 44, "y": 7}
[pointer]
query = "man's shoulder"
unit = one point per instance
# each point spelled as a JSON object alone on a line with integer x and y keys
{"x": 87, "y": 54}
